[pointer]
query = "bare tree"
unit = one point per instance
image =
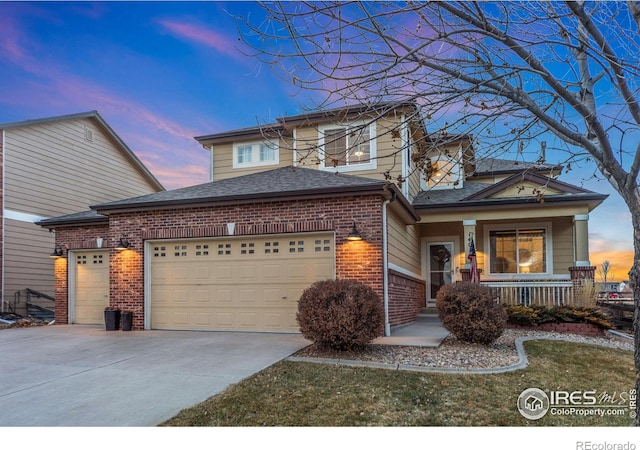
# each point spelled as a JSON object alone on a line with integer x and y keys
{"x": 511, "y": 74}
{"x": 603, "y": 271}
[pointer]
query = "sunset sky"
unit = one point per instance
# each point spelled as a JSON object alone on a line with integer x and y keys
{"x": 161, "y": 73}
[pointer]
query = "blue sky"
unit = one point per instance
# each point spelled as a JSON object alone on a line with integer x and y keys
{"x": 161, "y": 73}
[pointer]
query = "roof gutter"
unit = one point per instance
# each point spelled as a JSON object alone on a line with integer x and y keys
{"x": 510, "y": 202}
{"x": 72, "y": 222}
{"x": 3, "y": 144}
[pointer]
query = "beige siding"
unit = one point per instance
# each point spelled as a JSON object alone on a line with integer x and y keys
{"x": 414, "y": 182}
{"x": 562, "y": 245}
{"x": 223, "y": 160}
{"x": 525, "y": 189}
{"x": 388, "y": 147}
{"x": 306, "y": 147}
{"x": 404, "y": 244}
{"x": 27, "y": 265}
{"x": 50, "y": 169}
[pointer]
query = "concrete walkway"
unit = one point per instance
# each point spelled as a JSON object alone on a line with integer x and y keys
{"x": 85, "y": 376}
{"x": 417, "y": 334}
{"x": 426, "y": 331}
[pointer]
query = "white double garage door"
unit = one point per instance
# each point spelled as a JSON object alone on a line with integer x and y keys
{"x": 243, "y": 284}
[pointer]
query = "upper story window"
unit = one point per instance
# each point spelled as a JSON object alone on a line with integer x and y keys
{"x": 348, "y": 147}
{"x": 444, "y": 173}
{"x": 250, "y": 154}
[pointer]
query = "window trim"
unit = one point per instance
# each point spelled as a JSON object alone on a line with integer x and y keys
{"x": 373, "y": 162}
{"x": 514, "y": 227}
{"x": 255, "y": 154}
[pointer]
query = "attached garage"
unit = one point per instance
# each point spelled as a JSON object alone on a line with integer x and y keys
{"x": 250, "y": 283}
{"x": 229, "y": 255}
{"x": 90, "y": 279}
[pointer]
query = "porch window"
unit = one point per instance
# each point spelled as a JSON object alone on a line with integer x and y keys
{"x": 518, "y": 251}
{"x": 348, "y": 147}
{"x": 255, "y": 154}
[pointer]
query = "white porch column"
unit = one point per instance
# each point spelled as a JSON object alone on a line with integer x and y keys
{"x": 581, "y": 230}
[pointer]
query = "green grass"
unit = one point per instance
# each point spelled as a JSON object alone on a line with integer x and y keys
{"x": 307, "y": 394}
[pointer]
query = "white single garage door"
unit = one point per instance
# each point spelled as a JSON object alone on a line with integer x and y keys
{"x": 242, "y": 284}
{"x": 91, "y": 294}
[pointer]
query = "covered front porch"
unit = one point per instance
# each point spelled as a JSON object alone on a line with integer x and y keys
{"x": 528, "y": 260}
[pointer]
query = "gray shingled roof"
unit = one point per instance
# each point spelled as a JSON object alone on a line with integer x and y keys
{"x": 90, "y": 216}
{"x": 465, "y": 197}
{"x": 281, "y": 182}
{"x": 493, "y": 165}
{"x": 446, "y": 196}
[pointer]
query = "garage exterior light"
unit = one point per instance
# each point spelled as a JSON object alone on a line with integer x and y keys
{"x": 123, "y": 244}
{"x": 57, "y": 252}
{"x": 354, "y": 234}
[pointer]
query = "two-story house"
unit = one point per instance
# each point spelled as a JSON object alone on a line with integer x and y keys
{"x": 53, "y": 166}
{"x": 359, "y": 192}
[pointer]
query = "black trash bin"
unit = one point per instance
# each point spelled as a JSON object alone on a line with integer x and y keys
{"x": 111, "y": 319}
{"x": 127, "y": 320}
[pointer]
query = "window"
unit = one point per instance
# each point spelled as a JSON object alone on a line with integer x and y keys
{"x": 348, "y": 147}
{"x": 444, "y": 173}
{"x": 518, "y": 251}
{"x": 255, "y": 154}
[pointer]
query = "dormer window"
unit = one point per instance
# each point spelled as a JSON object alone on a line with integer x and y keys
{"x": 444, "y": 172}
{"x": 252, "y": 154}
{"x": 347, "y": 148}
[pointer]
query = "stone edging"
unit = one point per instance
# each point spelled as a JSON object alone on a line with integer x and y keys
{"x": 523, "y": 361}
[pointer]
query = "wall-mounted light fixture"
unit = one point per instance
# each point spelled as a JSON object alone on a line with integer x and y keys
{"x": 354, "y": 234}
{"x": 122, "y": 244}
{"x": 57, "y": 252}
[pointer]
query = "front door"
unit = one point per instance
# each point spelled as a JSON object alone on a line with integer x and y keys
{"x": 440, "y": 268}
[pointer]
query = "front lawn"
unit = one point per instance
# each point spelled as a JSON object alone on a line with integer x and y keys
{"x": 321, "y": 395}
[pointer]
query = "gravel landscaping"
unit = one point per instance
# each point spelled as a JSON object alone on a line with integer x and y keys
{"x": 455, "y": 354}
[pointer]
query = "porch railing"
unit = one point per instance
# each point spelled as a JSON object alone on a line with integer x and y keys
{"x": 543, "y": 292}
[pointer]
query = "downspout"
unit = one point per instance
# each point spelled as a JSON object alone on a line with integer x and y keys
{"x": 385, "y": 264}
{"x": 295, "y": 147}
{"x": 211, "y": 163}
{"x": 4, "y": 151}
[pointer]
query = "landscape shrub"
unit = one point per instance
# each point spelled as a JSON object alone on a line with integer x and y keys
{"x": 538, "y": 315}
{"x": 470, "y": 312}
{"x": 340, "y": 314}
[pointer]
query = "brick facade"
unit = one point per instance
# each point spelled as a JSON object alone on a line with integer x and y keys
{"x": 358, "y": 260}
{"x": 406, "y": 296}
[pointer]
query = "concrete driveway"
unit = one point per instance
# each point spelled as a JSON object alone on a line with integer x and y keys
{"x": 85, "y": 376}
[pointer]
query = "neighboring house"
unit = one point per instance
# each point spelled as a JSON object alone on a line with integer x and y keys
{"x": 50, "y": 167}
{"x": 284, "y": 203}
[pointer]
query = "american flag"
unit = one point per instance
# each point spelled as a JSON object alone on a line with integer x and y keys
{"x": 474, "y": 275}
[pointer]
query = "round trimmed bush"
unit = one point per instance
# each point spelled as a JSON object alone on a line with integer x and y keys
{"x": 470, "y": 312}
{"x": 340, "y": 314}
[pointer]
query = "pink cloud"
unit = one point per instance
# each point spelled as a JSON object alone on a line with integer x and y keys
{"x": 10, "y": 37}
{"x": 202, "y": 35}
